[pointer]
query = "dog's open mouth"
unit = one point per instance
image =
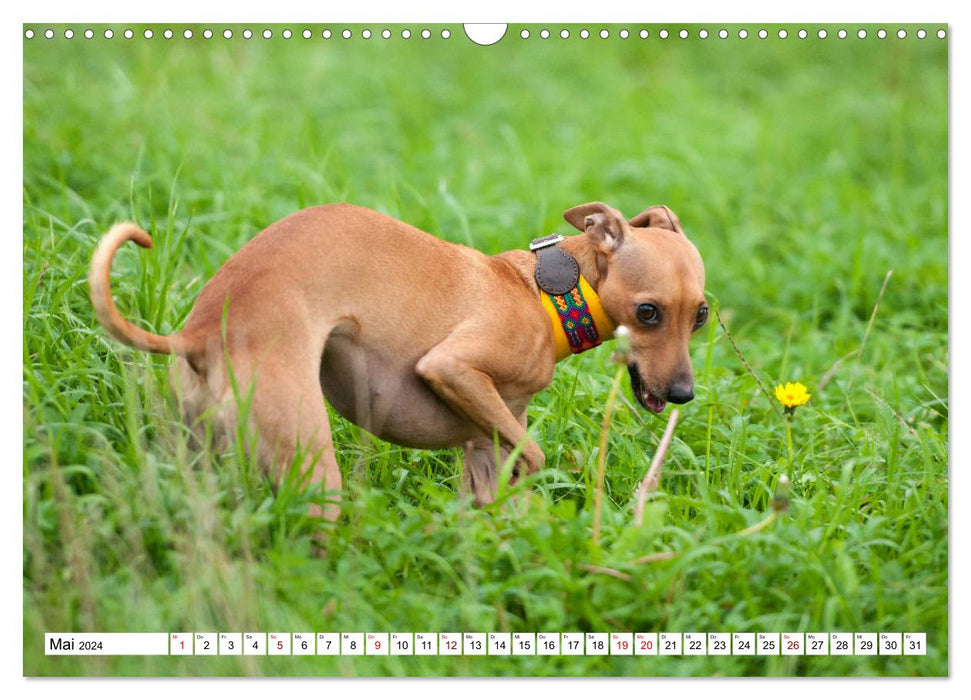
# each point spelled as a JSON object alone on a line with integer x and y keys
{"x": 644, "y": 396}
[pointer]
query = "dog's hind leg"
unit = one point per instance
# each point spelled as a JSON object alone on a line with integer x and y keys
{"x": 275, "y": 383}
{"x": 293, "y": 430}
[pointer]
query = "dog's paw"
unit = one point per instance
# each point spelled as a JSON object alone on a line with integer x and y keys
{"x": 535, "y": 459}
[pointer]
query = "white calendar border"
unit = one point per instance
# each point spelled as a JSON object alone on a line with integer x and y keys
{"x": 11, "y": 645}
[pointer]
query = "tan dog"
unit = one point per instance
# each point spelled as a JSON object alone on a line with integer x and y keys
{"x": 420, "y": 342}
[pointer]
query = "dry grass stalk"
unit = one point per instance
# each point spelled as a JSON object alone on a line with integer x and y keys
{"x": 832, "y": 370}
{"x": 652, "y": 480}
{"x": 866, "y": 333}
{"x": 657, "y": 556}
{"x": 605, "y": 570}
{"x": 741, "y": 357}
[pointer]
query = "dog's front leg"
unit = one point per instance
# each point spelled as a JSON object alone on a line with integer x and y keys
{"x": 480, "y": 470}
{"x": 482, "y": 461}
{"x": 453, "y": 373}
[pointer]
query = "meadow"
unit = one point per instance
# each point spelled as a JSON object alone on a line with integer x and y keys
{"x": 805, "y": 170}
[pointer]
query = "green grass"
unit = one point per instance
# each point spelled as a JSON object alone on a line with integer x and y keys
{"x": 804, "y": 170}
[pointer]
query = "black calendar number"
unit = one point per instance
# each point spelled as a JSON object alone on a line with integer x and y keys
{"x": 426, "y": 645}
{"x": 524, "y": 645}
{"x": 842, "y": 645}
{"x": 501, "y": 645}
{"x": 205, "y": 645}
{"x": 549, "y": 645}
{"x": 719, "y": 645}
{"x": 816, "y": 644}
{"x": 303, "y": 645}
{"x": 768, "y": 644}
{"x": 573, "y": 644}
{"x": 475, "y": 645}
{"x": 745, "y": 645}
{"x": 597, "y": 644}
{"x": 230, "y": 645}
{"x": 694, "y": 645}
{"x": 668, "y": 644}
{"x": 914, "y": 645}
{"x": 866, "y": 644}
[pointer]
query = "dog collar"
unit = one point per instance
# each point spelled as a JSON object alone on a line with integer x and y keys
{"x": 577, "y": 317}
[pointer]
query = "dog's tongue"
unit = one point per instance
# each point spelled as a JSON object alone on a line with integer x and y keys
{"x": 653, "y": 403}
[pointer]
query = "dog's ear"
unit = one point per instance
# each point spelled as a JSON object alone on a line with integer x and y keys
{"x": 603, "y": 222}
{"x": 658, "y": 216}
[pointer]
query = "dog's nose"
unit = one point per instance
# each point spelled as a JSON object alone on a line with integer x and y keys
{"x": 681, "y": 393}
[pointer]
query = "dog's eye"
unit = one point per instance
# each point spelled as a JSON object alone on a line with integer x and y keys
{"x": 648, "y": 314}
{"x": 702, "y": 317}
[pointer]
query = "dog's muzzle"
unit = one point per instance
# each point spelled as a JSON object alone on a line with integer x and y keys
{"x": 643, "y": 395}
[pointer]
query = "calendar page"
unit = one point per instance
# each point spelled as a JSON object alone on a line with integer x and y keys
{"x": 302, "y": 395}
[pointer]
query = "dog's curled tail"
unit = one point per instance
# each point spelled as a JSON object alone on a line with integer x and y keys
{"x": 99, "y": 283}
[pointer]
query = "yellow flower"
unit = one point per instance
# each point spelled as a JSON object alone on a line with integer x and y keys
{"x": 792, "y": 395}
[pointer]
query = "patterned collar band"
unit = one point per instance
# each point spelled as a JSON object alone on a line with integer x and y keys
{"x": 578, "y": 319}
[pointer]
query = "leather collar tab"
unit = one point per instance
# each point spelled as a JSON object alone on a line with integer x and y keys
{"x": 557, "y": 272}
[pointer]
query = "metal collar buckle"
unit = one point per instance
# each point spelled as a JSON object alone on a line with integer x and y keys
{"x": 545, "y": 241}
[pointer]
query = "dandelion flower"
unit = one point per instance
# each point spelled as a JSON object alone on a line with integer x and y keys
{"x": 792, "y": 395}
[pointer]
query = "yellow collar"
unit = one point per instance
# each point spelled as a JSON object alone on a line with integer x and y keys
{"x": 604, "y": 326}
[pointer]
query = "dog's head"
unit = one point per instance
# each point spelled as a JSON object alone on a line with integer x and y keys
{"x": 652, "y": 281}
